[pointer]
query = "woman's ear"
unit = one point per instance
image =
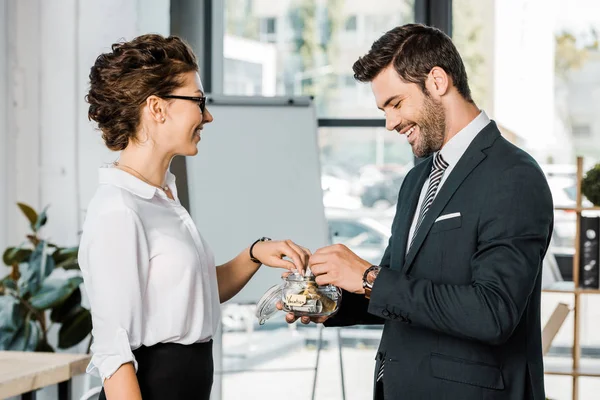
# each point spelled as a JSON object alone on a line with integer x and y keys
{"x": 156, "y": 109}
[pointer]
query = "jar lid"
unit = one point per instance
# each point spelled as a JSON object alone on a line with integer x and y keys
{"x": 300, "y": 278}
{"x": 267, "y": 305}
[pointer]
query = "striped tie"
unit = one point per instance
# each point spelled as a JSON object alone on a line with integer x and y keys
{"x": 437, "y": 172}
{"x": 380, "y": 373}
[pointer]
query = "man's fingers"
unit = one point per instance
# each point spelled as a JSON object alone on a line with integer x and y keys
{"x": 317, "y": 259}
{"x": 319, "y": 269}
{"x": 290, "y": 318}
{"x": 323, "y": 280}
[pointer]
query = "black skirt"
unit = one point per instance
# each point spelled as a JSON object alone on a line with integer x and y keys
{"x": 174, "y": 371}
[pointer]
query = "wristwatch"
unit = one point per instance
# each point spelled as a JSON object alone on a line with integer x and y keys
{"x": 369, "y": 278}
{"x": 254, "y": 259}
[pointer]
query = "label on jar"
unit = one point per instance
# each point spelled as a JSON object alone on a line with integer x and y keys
{"x": 295, "y": 300}
{"x": 311, "y": 307}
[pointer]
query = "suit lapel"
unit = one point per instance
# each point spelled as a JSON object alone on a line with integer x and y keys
{"x": 407, "y": 211}
{"x": 467, "y": 163}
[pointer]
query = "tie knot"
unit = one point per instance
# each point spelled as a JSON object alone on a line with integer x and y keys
{"x": 439, "y": 163}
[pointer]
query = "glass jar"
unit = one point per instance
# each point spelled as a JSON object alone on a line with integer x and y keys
{"x": 300, "y": 295}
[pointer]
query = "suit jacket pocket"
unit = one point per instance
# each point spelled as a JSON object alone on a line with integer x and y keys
{"x": 465, "y": 371}
{"x": 446, "y": 224}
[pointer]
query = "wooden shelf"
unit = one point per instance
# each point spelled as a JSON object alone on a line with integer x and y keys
{"x": 588, "y": 291}
{"x": 571, "y": 291}
{"x": 566, "y": 370}
{"x": 568, "y": 287}
{"x": 577, "y": 209}
{"x": 569, "y": 369}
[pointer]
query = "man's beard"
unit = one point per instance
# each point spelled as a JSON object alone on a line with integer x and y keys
{"x": 432, "y": 128}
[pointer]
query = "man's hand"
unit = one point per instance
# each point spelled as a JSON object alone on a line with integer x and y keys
{"x": 339, "y": 266}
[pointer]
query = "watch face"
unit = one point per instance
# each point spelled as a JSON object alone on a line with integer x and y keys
{"x": 372, "y": 275}
{"x": 371, "y": 278}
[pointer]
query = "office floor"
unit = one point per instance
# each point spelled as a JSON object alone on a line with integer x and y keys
{"x": 358, "y": 369}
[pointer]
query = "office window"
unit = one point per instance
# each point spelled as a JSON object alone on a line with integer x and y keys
{"x": 243, "y": 77}
{"x": 307, "y": 38}
{"x": 582, "y": 130}
{"x": 269, "y": 25}
{"x": 350, "y": 24}
{"x": 268, "y": 30}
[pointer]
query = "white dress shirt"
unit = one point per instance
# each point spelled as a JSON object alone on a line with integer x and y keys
{"x": 149, "y": 275}
{"x": 451, "y": 152}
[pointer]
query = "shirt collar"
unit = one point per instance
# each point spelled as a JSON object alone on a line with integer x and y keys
{"x": 117, "y": 177}
{"x": 456, "y": 147}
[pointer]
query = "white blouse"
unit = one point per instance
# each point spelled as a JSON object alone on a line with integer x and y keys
{"x": 149, "y": 276}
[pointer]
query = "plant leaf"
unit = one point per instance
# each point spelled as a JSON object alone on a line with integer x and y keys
{"x": 11, "y": 320}
{"x": 30, "y": 214}
{"x": 39, "y": 267}
{"x": 75, "y": 329}
{"x": 14, "y": 255}
{"x": 8, "y": 283}
{"x": 41, "y": 219}
{"x": 67, "y": 254}
{"x": 49, "y": 267}
{"x": 69, "y": 264}
{"x": 27, "y": 338}
{"x": 31, "y": 280}
{"x": 6, "y": 256}
{"x": 67, "y": 308}
{"x": 53, "y": 292}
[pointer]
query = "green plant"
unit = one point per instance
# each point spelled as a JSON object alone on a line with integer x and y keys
{"x": 590, "y": 185}
{"x": 28, "y": 293}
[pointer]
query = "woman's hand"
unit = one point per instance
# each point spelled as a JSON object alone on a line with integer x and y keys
{"x": 272, "y": 253}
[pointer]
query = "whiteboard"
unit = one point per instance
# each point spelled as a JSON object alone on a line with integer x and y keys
{"x": 257, "y": 173}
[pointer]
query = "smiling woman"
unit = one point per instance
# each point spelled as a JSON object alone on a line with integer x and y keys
{"x": 151, "y": 278}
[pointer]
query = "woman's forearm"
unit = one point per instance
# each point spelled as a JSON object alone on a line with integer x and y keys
{"x": 123, "y": 384}
{"x": 233, "y": 275}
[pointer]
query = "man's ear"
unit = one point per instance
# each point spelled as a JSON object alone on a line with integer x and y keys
{"x": 438, "y": 82}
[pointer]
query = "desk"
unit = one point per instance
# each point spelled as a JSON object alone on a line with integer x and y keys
{"x": 22, "y": 373}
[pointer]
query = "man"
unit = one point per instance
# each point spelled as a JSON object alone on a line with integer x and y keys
{"x": 458, "y": 288}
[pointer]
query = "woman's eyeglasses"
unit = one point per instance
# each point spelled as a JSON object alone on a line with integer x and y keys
{"x": 201, "y": 101}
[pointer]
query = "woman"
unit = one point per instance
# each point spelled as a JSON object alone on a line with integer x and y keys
{"x": 153, "y": 286}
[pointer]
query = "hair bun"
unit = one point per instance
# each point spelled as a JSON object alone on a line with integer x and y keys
{"x": 122, "y": 79}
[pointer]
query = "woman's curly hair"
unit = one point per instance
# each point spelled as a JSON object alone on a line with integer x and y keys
{"x": 122, "y": 79}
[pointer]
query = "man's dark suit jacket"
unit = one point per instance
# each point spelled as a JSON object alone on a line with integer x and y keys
{"x": 462, "y": 308}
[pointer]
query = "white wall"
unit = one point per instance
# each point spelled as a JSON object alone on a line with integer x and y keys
{"x": 3, "y": 128}
{"x": 53, "y": 151}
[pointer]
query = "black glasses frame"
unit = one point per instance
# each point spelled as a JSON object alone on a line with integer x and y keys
{"x": 201, "y": 100}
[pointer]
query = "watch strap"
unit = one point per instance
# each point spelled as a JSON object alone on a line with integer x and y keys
{"x": 254, "y": 259}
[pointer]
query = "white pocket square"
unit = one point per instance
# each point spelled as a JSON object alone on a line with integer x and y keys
{"x": 447, "y": 216}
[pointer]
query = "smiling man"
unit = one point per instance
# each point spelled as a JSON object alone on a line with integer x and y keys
{"x": 458, "y": 288}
